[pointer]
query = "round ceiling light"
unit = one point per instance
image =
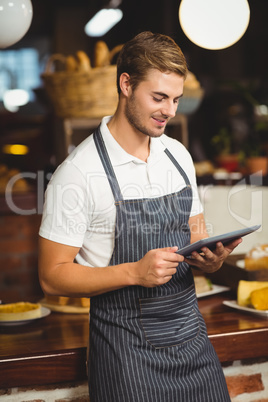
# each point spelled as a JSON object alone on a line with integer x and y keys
{"x": 15, "y": 20}
{"x": 214, "y": 24}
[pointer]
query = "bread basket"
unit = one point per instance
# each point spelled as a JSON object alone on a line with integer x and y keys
{"x": 77, "y": 94}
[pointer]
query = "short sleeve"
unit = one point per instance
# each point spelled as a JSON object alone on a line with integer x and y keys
{"x": 66, "y": 213}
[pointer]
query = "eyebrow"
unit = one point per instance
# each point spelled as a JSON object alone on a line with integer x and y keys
{"x": 165, "y": 95}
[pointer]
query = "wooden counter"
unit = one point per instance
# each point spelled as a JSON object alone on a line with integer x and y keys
{"x": 53, "y": 349}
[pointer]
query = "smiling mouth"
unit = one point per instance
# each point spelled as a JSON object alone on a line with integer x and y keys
{"x": 160, "y": 121}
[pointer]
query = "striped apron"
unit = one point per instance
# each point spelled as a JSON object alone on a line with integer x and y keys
{"x": 151, "y": 344}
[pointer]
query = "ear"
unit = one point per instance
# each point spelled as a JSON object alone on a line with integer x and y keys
{"x": 125, "y": 83}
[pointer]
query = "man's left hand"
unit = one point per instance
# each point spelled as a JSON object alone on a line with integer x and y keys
{"x": 210, "y": 261}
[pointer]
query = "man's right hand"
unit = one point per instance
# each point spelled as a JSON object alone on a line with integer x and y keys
{"x": 156, "y": 267}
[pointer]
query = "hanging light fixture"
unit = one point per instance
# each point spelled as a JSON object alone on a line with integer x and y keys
{"x": 14, "y": 98}
{"x": 104, "y": 20}
{"x": 15, "y": 20}
{"x": 214, "y": 24}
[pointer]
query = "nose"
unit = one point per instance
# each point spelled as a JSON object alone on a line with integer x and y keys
{"x": 169, "y": 109}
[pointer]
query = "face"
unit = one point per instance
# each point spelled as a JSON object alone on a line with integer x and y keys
{"x": 154, "y": 102}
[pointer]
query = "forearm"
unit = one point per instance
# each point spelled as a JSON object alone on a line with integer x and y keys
{"x": 75, "y": 280}
{"x": 60, "y": 276}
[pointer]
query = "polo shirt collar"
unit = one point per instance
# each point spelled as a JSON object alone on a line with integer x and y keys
{"x": 118, "y": 155}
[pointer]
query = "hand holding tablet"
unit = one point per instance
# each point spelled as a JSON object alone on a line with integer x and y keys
{"x": 211, "y": 242}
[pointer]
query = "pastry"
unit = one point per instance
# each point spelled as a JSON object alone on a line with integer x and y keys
{"x": 19, "y": 311}
{"x": 202, "y": 284}
{"x": 71, "y": 63}
{"x": 83, "y": 61}
{"x": 257, "y": 258}
{"x": 101, "y": 54}
{"x": 259, "y": 299}
{"x": 204, "y": 168}
{"x": 68, "y": 301}
{"x": 244, "y": 290}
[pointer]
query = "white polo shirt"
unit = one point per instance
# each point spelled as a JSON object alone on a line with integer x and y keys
{"x": 79, "y": 205}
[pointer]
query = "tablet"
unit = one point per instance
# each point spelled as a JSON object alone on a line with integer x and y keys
{"x": 211, "y": 242}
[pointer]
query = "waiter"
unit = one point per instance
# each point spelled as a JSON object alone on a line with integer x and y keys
{"x": 116, "y": 212}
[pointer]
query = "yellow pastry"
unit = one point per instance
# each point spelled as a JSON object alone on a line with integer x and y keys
{"x": 259, "y": 299}
{"x": 19, "y": 311}
{"x": 257, "y": 258}
{"x": 245, "y": 288}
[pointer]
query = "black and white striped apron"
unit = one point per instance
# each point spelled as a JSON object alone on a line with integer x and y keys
{"x": 151, "y": 344}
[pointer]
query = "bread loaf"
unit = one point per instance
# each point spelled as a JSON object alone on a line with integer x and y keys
{"x": 83, "y": 61}
{"x": 101, "y": 54}
{"x": 257, "y": 258}
{"x": 71, "y": 63}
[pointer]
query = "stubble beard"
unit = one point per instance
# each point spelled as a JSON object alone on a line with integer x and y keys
{"x": 135, "y": 120}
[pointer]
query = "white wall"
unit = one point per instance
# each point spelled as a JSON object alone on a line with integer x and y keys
{"x": 228, "y": 208}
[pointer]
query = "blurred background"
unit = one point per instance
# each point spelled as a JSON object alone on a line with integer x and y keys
{"x": 229, "y": 120}
{"x": 234, "y": 79}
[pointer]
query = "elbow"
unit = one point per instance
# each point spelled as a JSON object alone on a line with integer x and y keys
{"x": 46, "y": 287}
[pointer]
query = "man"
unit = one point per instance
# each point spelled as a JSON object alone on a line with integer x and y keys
{"x": 116, "y": 212}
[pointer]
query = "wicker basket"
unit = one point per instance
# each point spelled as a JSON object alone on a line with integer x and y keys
{"x": 91, "y": 94}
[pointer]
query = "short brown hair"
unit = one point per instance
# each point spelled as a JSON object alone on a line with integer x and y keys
{"x": 148, "y": 51}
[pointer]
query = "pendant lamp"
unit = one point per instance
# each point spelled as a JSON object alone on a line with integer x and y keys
{"x": 15, "y": 20}
{"x": 214, "y": 24}
{"x": 105, "y": 19}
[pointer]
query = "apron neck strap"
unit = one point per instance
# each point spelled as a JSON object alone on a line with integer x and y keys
{"x": 105, "y": 159}
{"x": 178, "y": 166}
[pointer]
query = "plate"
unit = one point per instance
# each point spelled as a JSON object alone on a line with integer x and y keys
{"x": 240, "y": 264}
{"x": 215, "y": 289}
{"x": 233, "y": 304}
{"x": 44, "y": 313}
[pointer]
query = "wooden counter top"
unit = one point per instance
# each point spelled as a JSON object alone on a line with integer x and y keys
{"x": 53, "y": 349}
{"x": 235, "y": 335}
{"x": 46, "y": 351}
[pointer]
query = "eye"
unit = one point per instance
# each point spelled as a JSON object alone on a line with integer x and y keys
{"x": 157, "y": 99}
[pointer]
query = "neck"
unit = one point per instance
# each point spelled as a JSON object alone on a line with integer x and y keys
{"x": 133, "y": 142}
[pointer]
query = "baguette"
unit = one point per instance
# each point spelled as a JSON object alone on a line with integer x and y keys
{"x": 101, "y": 54}
{"x": 71, "y": 63}
{"x": 83, "y": 61}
